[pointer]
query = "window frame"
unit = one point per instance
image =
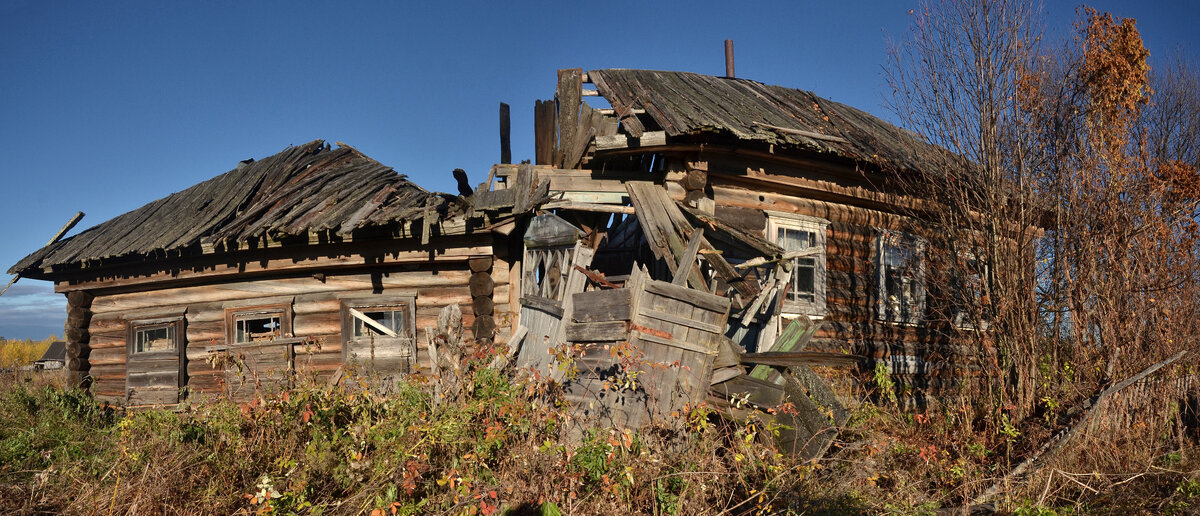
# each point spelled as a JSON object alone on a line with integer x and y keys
{"x": 232, "y": 315}
{"x": 962, "y": 285}
{"x": 916, "y": 315}
{"x": 406, "y": 303}
{"x": 135, "y": 325}
{"x": 818, "y": 307}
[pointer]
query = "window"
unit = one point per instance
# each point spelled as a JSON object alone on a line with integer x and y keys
{"x": 900, "y": 269}
{"x": 258, "y": 324}
{"x": 379, "y": 333}
{"x": 806, "y": 235}
{"x": 971, "y": 307}
{"x": 387, "y": 321}
{"x": 154, "y": 338}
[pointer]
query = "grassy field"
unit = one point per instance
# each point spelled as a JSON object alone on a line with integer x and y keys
{"x": 508, "y": 445}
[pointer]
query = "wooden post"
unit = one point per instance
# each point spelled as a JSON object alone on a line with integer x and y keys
{"x": 568, "y": 98}
{"x": 505, "y": 142}
{"x": 729, "y": 58}
{"x": 544, "y": 121}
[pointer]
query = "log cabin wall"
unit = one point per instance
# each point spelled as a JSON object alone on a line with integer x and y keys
{"x": 744, "y": 189}
{"x": 315, "y": 301}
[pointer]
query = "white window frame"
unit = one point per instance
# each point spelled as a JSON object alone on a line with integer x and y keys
{"x": 782, "y": 220}
{"x": 886, "y": 308}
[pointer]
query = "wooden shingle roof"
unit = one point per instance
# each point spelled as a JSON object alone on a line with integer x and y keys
{"x": 301, "y": 190}
{"x": 687, "y": 104}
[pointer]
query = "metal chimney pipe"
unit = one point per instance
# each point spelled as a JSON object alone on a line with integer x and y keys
{"x": 729, "y": 58}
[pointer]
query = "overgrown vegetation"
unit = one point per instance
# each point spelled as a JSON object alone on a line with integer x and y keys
{"x": 1068, "y": 228}
{"x": 505, "y": 446}
{"x": 1087, "y": 142}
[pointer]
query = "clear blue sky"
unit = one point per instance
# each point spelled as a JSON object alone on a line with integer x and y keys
{"x": 105, "y": 106}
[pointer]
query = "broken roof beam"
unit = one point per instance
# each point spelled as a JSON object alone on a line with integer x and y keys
{"x": 647, "y": 139}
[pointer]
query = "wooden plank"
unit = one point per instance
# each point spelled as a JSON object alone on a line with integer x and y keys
{"x": 603, "y": 331}
{"x": 602, "y": 305}
{"x": 627, "y": 141}
{"x": 688, "y": 260}
{"x": 756, "y": 392}
{"x": 682, "y": 321}
{"x": 701, "y": 299}
{"x": 674, "y": 343}
{"x": 549, "y": 306}
{"x": 725, "y": 374}
{"x": 589, "y": 207}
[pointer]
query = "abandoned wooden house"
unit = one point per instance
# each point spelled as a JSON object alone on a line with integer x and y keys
{"x": 781, "y": 214}
{"x": 296, "y": 264}
{"x": 717, "y": 234}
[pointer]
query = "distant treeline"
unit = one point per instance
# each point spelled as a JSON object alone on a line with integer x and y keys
{"x": 15, "y": 353}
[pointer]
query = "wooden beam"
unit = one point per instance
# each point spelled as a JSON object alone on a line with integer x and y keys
{"x": 568, "y": 99}
{"x": 505, "y": 141}
{"x": 625, "y": 141}
{"x": 545, "y": 122}
{"x": 62, "y": 231}
{"x": 583, "y": 206}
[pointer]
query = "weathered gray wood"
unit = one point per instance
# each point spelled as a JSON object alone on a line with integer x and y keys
{"x": 688, "y": 259}
{"x": 811, "y": 430}
{"x": 701, "y": 299}
{"x": 549, "y": 230}
{"x": 752, "y": 390}
{"x": 602, "y": 305}
{"x": 725, "y": 374}
{"x": 686, "y": 345}
{"x": 627, "y": 141}
{"x": 681, "y": 320}
{"x": 568, "y": 98}
{"x": 603, "y": 331}
{"x": 540, "y": 303}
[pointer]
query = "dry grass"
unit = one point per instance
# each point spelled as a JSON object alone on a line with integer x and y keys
{"x": 506, "y": 447}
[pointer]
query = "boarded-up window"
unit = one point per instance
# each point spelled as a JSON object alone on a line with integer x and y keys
{"x": 379, "y": 333}
{"x": 900, "y": 276}
{"x": 807, "y": 284}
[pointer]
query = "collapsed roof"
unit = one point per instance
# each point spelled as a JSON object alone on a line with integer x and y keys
{"x": 685, "y": 104}
{"x": 302, "y": 190}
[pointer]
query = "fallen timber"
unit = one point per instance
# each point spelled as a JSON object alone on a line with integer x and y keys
{"x": 646, "y": 350}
